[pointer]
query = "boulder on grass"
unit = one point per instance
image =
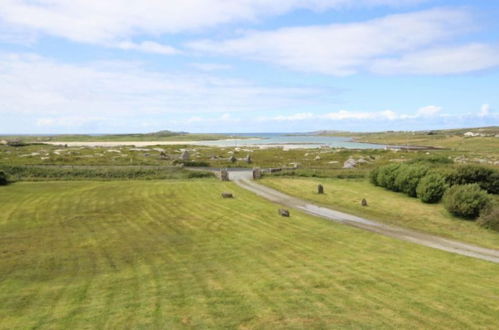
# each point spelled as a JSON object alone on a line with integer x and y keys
{"x": 283, "y": 213}
{"x": 227, "y": 195}
{"x": 349, "y": 163}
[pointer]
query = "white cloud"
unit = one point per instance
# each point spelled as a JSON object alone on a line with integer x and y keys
{"x": 68, "y": 121}
{"x": 296, "y": 116}
{"x": 429, "y": 111}
{"x": 97, "y": 21}
{"x": 147, "y": 47}
{"x": 225, "y": 119}
{"x": 211, "y": 66}
{"x": 67, "y": 95}
{"x": 484, "y": 110}
{"x": 402, "y": 43}
{"x": 345, "y": 115}
{"x": 451, "y": 60}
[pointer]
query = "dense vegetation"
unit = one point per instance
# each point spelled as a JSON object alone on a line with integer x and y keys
{"x": 486, "y": 178}
{"x": 37, "y": 173}
{"x": 432, "y": 187}
{"x": 466, "y": 201}
{"x": 174, "y": 255}
{"x": 431, "y": 180}
{"x": 3, "y": 178}
{"x": 490, "y": 218}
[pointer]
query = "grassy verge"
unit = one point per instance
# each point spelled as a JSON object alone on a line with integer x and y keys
{"x": 42, "y": 173}
{"x": 386, "y": 206}
{"x": 156, "y": 254}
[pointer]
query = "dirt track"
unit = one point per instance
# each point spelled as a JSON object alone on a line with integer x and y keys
{"x": 373, "y": 226}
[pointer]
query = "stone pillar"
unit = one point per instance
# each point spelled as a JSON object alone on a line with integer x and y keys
{"x": 257, "y": 173}
{"x": 185, "y": 156}
{"x": 320, "y": 189}
{"x": 224, "y": 175}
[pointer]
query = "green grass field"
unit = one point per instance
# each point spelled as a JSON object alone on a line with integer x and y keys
{"x": 173, "y": 254}
{"x": 386, "y": 206}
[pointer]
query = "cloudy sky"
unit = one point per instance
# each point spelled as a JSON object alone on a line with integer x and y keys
{"x": 94, "y": 66}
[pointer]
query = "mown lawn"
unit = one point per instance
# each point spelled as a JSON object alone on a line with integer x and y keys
{"x": 173, "y": 254}
{"x": 386, "y": 206}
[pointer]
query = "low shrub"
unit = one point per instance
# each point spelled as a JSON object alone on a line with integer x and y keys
{"x": 431, "y": 188}
{"x": 408, "y": 178}
{"x": 387, "y": 174}
{"x": 191, "y": 163}
{"x": 487, "y": 178}
{"x": 437, "y": 160}
{"x": 3, "y": 179}
{"x": 490, "y": 218}
{"x": 373, "y": 176}
{"x": 466, "y": 201}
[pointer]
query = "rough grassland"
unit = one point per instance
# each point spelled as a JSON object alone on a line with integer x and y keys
{"x": 386, "y": 206}
{"x": 155, "y": 254}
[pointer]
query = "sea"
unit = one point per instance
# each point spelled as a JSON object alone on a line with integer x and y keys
{"x": 289, "y": 141}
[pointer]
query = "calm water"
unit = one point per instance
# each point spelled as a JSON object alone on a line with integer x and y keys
{"x": 301, "y": 141}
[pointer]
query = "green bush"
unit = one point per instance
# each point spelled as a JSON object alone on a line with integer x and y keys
{"x": 466, "y": 201}
{"x": 387, "y": 175}
{"x": 408, "y": 178}
{"x": 431, "y": 188}
{"x": 490, "y": 218}
{"x": 373, "y": 176}
{"x": 487, "y": 178}
{"x": 493, "y": 184}
{"x": 3, "y": 179}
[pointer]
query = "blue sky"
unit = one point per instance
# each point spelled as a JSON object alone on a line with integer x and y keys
{"x": 93, "y": 66}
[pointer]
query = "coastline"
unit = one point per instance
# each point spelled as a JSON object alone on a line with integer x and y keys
{"x": 213, "y": 143}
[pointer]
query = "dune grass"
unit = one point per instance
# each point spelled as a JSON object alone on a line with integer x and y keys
{"x": 386, "y": 206}
{"x": 173, "y": 254}
{"x": 485, "y": 145}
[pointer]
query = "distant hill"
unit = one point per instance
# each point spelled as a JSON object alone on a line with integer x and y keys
{"x": 492, "y": 130}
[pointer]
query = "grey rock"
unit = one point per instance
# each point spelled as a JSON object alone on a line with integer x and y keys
{"x": 227, "y": 195}
{"x": 283, "y": 213}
